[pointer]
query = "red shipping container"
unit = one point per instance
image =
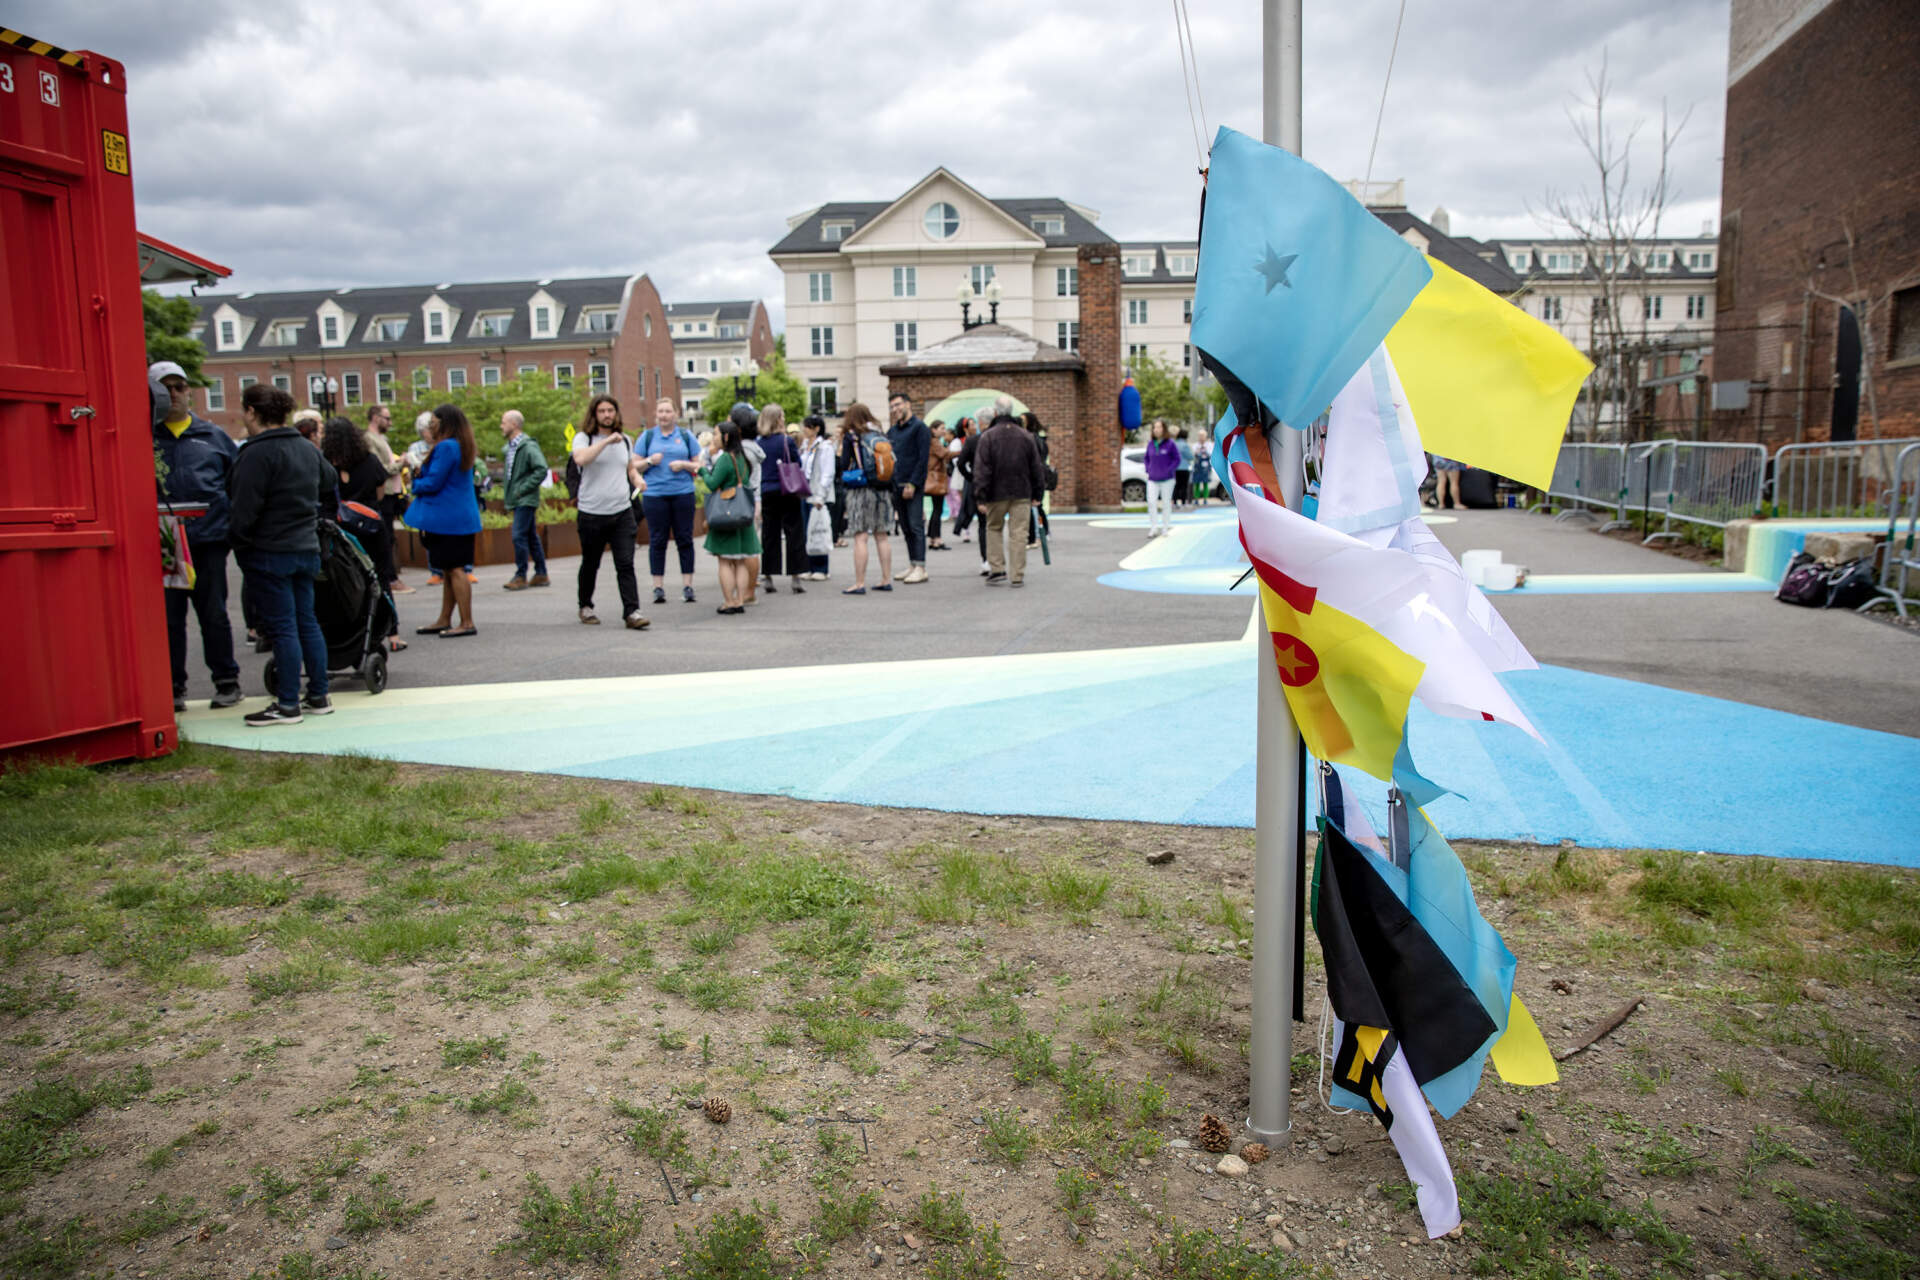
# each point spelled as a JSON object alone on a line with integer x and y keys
{"x": 83, "y": 643}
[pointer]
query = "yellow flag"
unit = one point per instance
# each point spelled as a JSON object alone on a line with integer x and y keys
{"x": 1488, "y": 384}
{"x": 1348, "y": 685}
{"x": 1521, "y": 1055}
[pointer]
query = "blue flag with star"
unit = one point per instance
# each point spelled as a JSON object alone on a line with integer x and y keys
{"x": 1298, "y": 283}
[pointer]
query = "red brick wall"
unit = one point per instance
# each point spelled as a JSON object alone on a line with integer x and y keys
{"x": 1095, "y": 478}
{"x": 1053, "y": 395}
{"x": 1822, "y": 136}
{"x": 635, "y": 349}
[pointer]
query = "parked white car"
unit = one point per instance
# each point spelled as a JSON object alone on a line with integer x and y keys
{"x": 1133, "y": 473}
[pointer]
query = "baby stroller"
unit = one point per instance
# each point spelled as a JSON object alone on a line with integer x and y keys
{"x": 355, "y": 612}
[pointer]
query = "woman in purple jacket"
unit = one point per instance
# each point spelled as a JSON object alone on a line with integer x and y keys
{"x": 1163, "y": 460}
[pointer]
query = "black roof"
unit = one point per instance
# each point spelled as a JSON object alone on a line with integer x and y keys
{"x": 807, "y": 237}
{"x": 1462, "y": 253}
{"x": 1159, "y": 249}
{"x": 365, "y": 305}
{"x": 731, "y": 310}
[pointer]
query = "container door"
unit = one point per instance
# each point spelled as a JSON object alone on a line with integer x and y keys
{"x": 47, "y": 431}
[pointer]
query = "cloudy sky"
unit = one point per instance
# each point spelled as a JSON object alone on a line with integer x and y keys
{"x": 309, "y": 143}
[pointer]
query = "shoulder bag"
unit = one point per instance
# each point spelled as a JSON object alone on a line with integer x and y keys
{"x": 732, "y": 507}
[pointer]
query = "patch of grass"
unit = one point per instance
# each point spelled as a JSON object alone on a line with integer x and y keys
{"x": 1031, "y": 1056}
{"x": 1088, "y": 1093}
{"x": 1074, "y": 893}
{"x": 572, "y": 955}
{"x": 1541, "y": 1221}
{"x": 1884, "y": 1131}
{"x": 1203, "y": 1255}
{"x": 405, "y": 940}
{"x": 655, "y": 1131}
{"x": 274, "y": 1188}
{"x": 1146, "y": 1104}
{"x": 35, "y": 1122}
{"x": 1006, "y": 1138}
{"x": 465, "y": 1053}
{"x": 1733, "y": 1081}
{"x": 1668, "y": 1157}
{"x": 1573, "y": 873}
{"x": 1848, "y": 1243}
{"x": 980, "y": 1257}
{"x": 296, "y": 975}
{"x": 160, "y": 1157}
{"x": 1078, "y": 1193}
{"x": 1765, "y": 1147}
{"x": 735, "y": 1245}
{"x": 382, "y": 1208}
{"x": 39, "y": 1250}
{"x": 842, "y": 1216}
{"x": 711, "y": 942}
{"x": 507, "y": 1097}
{"x": 944, "y": 1218}
{"x": 162, "y": 1213}
{"x": 587, "y": 1224}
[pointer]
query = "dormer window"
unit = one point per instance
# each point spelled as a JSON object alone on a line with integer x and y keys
{"x": 542, "y": 321}
{"x": 729, "y": 331}
{"x": 1659, "y": 259}
{"x": 283, "y": 333}
{"x": 493, "y": 324}
{"x": 329, "y": 328}
{"x": 1137, "y": 264}
{"x": 1052, "y": 224}
{"x": 1183, "y": 264}
{"x": 599, "y": 321}
{"x": 436, "y": 324}
{"x": 703, "y": 326}
{"x": 227, "y": 337}
{"x": 1521, "y": 261}
{"x": 834, "y": 232}
{"x": 389, "y": 328}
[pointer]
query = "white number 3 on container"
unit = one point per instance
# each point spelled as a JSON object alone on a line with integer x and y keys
{"x": 50, "y": 88}
{"x": 6, "y": 78}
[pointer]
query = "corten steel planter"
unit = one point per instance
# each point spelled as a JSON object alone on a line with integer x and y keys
{"x": 490, "y": 546}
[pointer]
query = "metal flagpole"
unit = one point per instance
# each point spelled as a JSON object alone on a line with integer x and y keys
{"x": 1278, "y": 767}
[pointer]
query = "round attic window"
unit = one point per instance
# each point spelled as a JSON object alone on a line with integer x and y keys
{"x": 943, "y": 220}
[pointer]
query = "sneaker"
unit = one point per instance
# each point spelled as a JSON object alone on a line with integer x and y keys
{"x": 903, "y": 574}
{"x": 273, "y": 713}
{"x": 433, "y": 579}
{"x": 659, "y": 595}
{"x": 984, "y": 570}
{"x": 472, "y": 576}
{"x": 317, "y": 704}
{"x": 916, "y": 574}
{"x": 399, "y": 588}
{"x": 796, "y": 588}
{"x": 637, "y": 622}
{"x": 686, "y": 595}
{"x": 996, "y": 579}
{"x": 1017, "y": 582}
{"x": 539, "y": 580}
{"x": 515, "y": 583}
{"x": 179, "y": 702}
{"x": 225, "y": 695}
{"x": 586, "y": 616}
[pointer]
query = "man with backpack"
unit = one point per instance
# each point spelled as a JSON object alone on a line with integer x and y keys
{"x": 912, "y": 447}
{"x": 526, "y": 471}
{"x": 1011, "y": 479}
{"x": 669, "y": 457}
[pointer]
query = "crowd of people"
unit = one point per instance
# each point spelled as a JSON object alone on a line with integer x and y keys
{"x": 779, "y": 499}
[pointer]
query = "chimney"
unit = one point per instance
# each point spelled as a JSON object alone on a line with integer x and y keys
{"x": 1442, "y": 221}
{"x": 1706, "y": 229}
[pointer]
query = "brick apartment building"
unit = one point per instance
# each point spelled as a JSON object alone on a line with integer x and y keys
{"x": 1818, "y": 315}
{"x": 716, "y": 340}
{"x": 388, "y": 343}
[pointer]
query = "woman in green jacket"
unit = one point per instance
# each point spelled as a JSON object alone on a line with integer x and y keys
{"x": 734, "y": 550}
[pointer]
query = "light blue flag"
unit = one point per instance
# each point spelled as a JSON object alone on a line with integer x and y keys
{"x": 1298, "y": 283}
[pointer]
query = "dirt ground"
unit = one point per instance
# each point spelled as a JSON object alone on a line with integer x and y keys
{"x": 1014, "y": 984}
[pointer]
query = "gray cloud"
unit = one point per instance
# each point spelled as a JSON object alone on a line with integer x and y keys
{"x": 308, "y": 144}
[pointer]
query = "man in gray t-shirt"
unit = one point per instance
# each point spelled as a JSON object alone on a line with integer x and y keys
{"x": 609, "y": 478}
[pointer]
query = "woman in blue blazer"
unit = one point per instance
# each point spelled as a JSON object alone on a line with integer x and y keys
{"x": 447, "y": 514}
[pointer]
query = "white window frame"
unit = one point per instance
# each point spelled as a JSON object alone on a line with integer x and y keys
{"x": 599, "y": 379}
{"x": 1137, "y": 264}
{"x": 247, "y": 380}
{"x": 522, "y": 370}
{"x": 562, "y": 374}
{"x": 229, "y": 331}
{"x": 383, "y": 387}
{"x": 422, "y": 380}
{"x": 329, "y": 328}
{"x": 1186, "y": 356}
{"x": 381, "y": 324}
{"x": 489, "y": 375}
{"x": 689, "y": 368}
{"x": 823, "y": 398}
{"x": 216, "y": 395}
{"x": 691, "y": 409}
{"x": 1136, "y": 351}
{"x": 1183, "y": 264}
{"x": 543, "y": 321}
{"x": 1066, "y": 282}
{"x": 436, "y": 325}
{"x": 821, "y": 339}
{"x": 949, "y": 220}
{"x": 713, "y": 364}
{"x": 906, "y": 335}
{"x": 1051, "y": 224}
{"x": 1650, "y": 306}
{"x": 1550, "y": 309}
{"x": 283, "y": 382}
{"x": 492, "y": 324}
{"x": 1067, "y": 335}
{"x": 980, "y": 275}
{"x": 457, "y": 378}
{"x": 350, "y": 388}
{"x": 835, "y": 230}
{"x": 1186, "y": 311}
{"x": 703, "y": 326}
{"x": 1136, "y": 311}
{"x": 598, "y": 320}
{"x": 1520, "y": 261}
{"x": 819, "y": 286}
{"x": 906, "y": 282}
{"x": 1700, "y": 260}
{"x": 1696, "y": 306}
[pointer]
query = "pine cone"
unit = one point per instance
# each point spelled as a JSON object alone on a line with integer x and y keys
{"x": 1254, "y": 1152}
{"x": 1214, "y": 1136}
{"x": 718, "y": 1110}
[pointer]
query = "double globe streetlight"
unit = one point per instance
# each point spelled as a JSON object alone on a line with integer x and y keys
{"x": 968, "y": 299}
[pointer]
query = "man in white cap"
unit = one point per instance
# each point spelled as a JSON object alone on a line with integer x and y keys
{"x": 197, "y": 458}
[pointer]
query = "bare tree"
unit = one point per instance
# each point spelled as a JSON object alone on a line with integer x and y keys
{"x": 1613, "y": 222}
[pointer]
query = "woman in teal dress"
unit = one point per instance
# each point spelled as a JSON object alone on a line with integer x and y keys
{"x": 734, "y": 550}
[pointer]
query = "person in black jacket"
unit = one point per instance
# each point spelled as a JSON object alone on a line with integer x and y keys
{"x": 196, "y": 458}
{"x": 1011, "y": 480}
{"x": 279, "y": 489}
{"x": 912, "y": 446}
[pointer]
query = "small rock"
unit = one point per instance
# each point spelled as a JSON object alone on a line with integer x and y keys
{"x": 1160, "y": 859}
{"x": 335, "y": 1242}
{"x": 1231, "y": 1166}
{"x": 1214, "y": 1194}
{"x": 1180, "y": 1144}
{"x": 875, "y": 1256}
{"x": 1282, "y": 1241}
{"x": 1333, "y": 1144}
{"x": 910, "y": 1240}
{"x": 1274, "y": 1220}
{"x": 695, "y": 1197}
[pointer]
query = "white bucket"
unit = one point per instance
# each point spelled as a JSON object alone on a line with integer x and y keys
{"x": 1500, "y": 577}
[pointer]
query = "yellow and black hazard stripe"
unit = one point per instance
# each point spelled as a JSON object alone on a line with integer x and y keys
{"x": 41, "y": 47}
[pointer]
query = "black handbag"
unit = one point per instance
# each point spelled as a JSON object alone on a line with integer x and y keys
{"x": 730, "y": 508}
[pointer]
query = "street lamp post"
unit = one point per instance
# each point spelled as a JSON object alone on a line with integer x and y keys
{"x": 968, "y": 299}
{"x": 753, "y": 382}
{"x": 323, "y": 393}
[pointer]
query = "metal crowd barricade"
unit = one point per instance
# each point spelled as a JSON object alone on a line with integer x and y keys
{"x": 1695, "y": 482}
{"x": 1844, "y": 478}
{"x": 1590, "y": 475}
{"x": 1899, "y": 558}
